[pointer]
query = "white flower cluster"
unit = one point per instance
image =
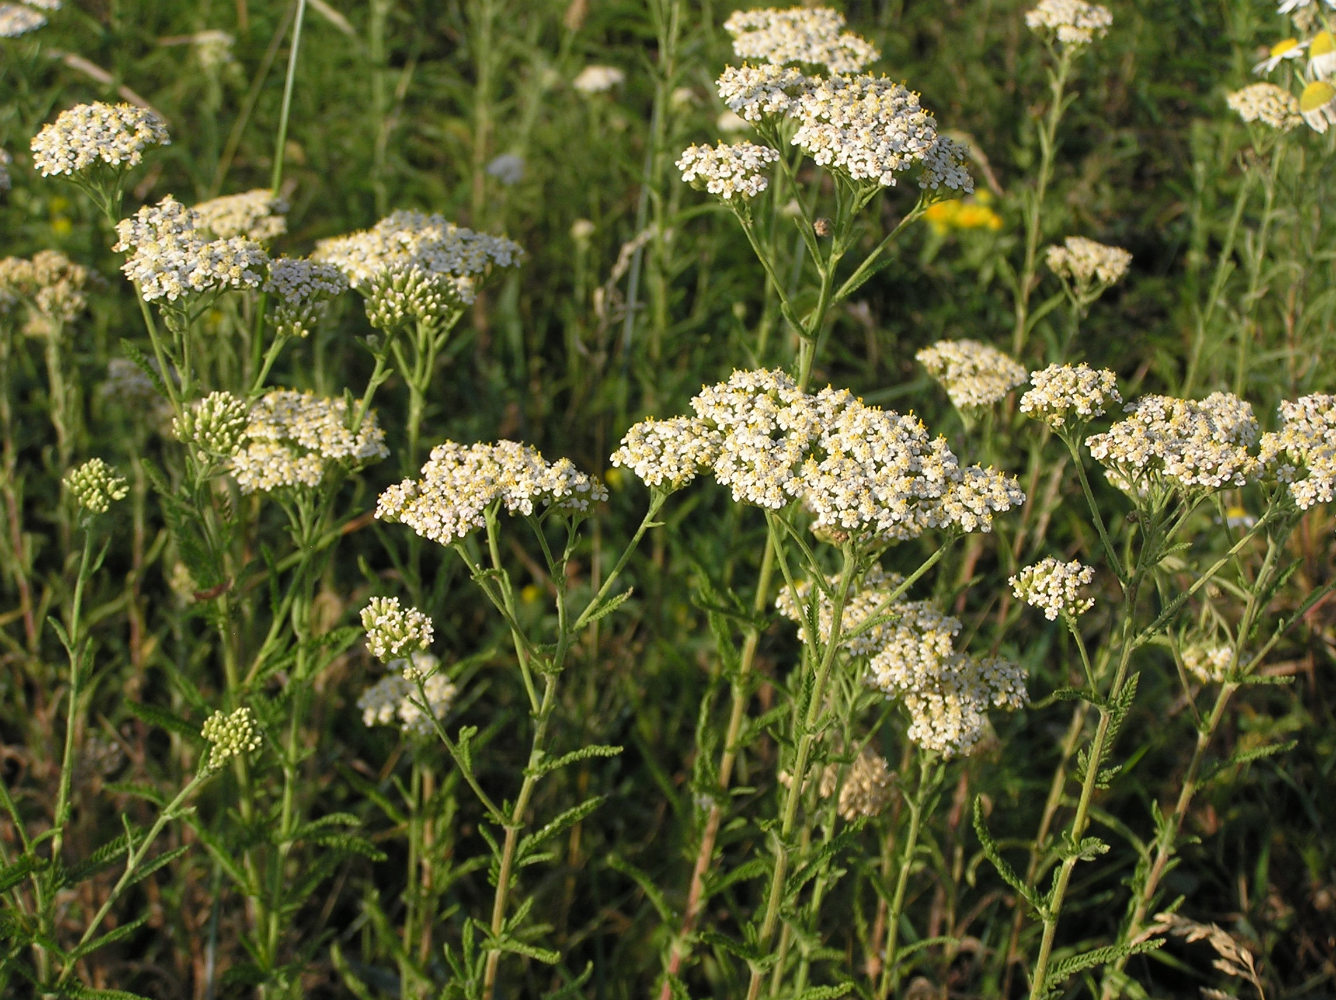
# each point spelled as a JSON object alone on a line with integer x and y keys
{"x": 868, "y": 127}
{"x": 761, "y": 93}
{"x": 213, "y": 48}
{"x": 96, "y": 485}
{"x": 1179, "y": 444}
{"x": 1266, "y": 103}
{"x": 728, "y": 170}
{"x": 19, "y": 19}
{"x": 231, "y": 735}
{"x": 1073, "y": 22}
{"x": 856, "y": 468}
{"x": 1302, "y": 454}
{"x": 1063, "y": 391}
{"x": 460, "y": 481}
{"x": 668, "y": 453}
{"x": 1054, "y": 587}
{"x": 912, "y": 659}
{"x": 867, "y": 790}
{"x": 1086, "y": 262}
{"x": 598, "y": 79}
{"x": 1208, "y": 664}
{"x": 944, "y": 167}
{"x": 508, "y": 168}
{"x": 395, "y": 700}
{"x": 86, "y": 135}
{"x": 257, "y": 215}
{"x": 974, "y": 374}
{"x": 215, "y": 424}
{"x": 295, "y": 439}
{"x": 170, "y": 256}
{"x": 392, "y": 630}
{"x": 53, "y": 287}
{"x": 302, "y": 289}
{"x": 6, "y": 161}
{"x": 812, "y": 36}
{"x": 416, "y": 264}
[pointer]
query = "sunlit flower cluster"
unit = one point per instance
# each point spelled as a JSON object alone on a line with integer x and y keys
{"x": 762, "y": 93}
{"x": 169, "y": 256}
{"x": 1070, "y": 392}
{"x": 812, "y": 36}
{"x": 858, "y": 469}
{"x": 910, "y": 648}
{"x": 256, "y": 215}
{"x": 459, "y": 482}
{"x": 668, "y": 453}
{"x": 19, "y": 19}
{"x": 95, "y": 485}
{"x": 392, "y": 631}
{"x": 867, "y": 127}
{"x": 415, "y": 265}
{"x": 231, "y": 735}
{"x": 1179, "y": 444}
{"x": 1073, "y": 23}
{"x": 86, "y": 135}
{"x": 1302, "y": 454}
{"x": 1209, "y": 664}
{"x": 215, "y": 424}
{"x": 727, "y": 170}
{"x": 1055, "y": 587}
{"x": 53, "y": 287}
{"x": 294, "y": 439}
{"x": 1266, "y": 103}
{"x": 302, "y": 289}
{"x": 598, "y": 79}
{"x": 1085, "y": 262}
{"x": 974, "y": 374}
{"x": 395, "y": 699}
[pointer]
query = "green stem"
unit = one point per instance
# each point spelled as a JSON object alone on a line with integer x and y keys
{"x": 1034, "y": 203}
{"x": 930, "y": 776}
{"x": 514, "y": 826}
{"x": 807, "y": 738}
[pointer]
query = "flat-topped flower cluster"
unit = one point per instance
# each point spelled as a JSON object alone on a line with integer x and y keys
{"x": 806, "y": 86}
{"x": 909, "y": 648}
{"x": 415, "y": 264}
{"x": 1192, "y": 447}
{"x": 459, "y": 482}
{"x": 857, "y": 469}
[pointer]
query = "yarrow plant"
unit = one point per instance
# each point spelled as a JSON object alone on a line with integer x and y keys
{"x": 909, "y": 650}
{"x": 459, "y": 483}
{"x": 230, "y": 734}
{"x": 296, "y": 440}
{"x": 807, "y": 36}
{"x": 169, "y": 256}
{"x": 857, "y": 469}
{"x": 95, "y": 146}
{"x": 1072, "y": 23}
{"x": 1266, "y": 103}
{"x": 1055, "y": 587}
{"x": 727, "y": 170}
{"x": 974, "y": 374}
{"x": 96, "y": 486}
{"x": 392, "y": 631}
{"x": 1085, "y": 262}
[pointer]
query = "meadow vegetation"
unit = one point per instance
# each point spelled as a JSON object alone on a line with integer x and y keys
{"x": 546, "y": 498}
